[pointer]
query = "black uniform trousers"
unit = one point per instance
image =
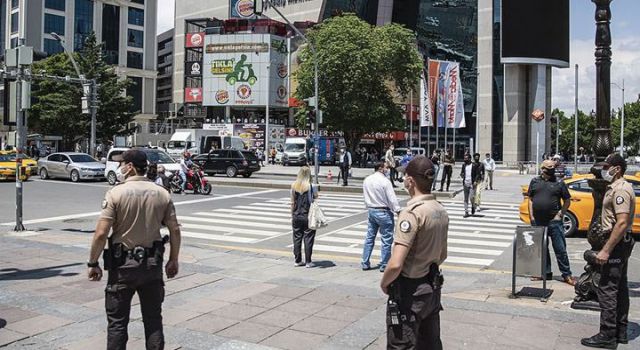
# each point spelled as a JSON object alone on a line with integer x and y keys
{"x": 130, "y": 278}
{"x": 344, "y": 170}
{"x": 301, "y": 232}
{"x": 420, "y": 304}
{"x": 613, "y": 291}
{"x": 446, "y": 176}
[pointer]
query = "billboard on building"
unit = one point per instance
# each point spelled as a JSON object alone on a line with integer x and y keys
{"x": 241, "y": 9}
{"x": 535, "y": 32}
{"x": 194, "y": 40}
{"x": 242, "y": 69}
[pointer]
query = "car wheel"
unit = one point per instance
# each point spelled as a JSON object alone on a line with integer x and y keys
{"x": 231, "y": 171}
{"x": 246, "y": 175}
{"x": 111, "y": 178}
{"x": 569, "y": 224}
{"x": 75, "y": 176}
{"x": 44, "y": 174}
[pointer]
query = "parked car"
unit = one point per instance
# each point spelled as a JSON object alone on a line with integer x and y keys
{"x": 70, "y": 165}
{"x": 228, "y": 161}
{"x": 578, "y": 217}
{"x": 8, "y": 165}
{"x": 155, "y": 156}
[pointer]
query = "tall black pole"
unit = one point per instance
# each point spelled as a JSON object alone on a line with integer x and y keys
{"x": 586, "y": 297}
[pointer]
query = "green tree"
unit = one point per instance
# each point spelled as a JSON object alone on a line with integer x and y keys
{"x": 631, "y": 128}
{"x": 586, "y": 125}
{"x": 361, "y": 69}
{"x": 57, "y": 107}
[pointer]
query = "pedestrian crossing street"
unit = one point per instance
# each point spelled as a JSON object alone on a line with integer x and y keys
{"x": 260, "y": 221}
{"x": 473, "y": 242}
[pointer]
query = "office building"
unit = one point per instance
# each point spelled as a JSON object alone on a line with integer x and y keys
{"x": 164, "y": 95}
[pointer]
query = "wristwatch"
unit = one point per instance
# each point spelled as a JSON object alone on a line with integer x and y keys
{"x": 93, "y": 264}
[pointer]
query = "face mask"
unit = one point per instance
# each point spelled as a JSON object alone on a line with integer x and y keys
{"x": 123, "y": 174}
{"x": 606, "y": 175}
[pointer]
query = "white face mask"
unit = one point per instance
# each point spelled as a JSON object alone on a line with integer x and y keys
{"x": 606, "y": 175}
{"x": 121, "y": 175}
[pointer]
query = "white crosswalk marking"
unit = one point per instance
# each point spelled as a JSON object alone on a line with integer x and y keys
{"x": 255, "y": 222}
{"x": 474, "y": 241}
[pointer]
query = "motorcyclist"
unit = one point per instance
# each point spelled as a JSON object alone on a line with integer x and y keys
{"x": 162, "y": 179}
{"x": 185, "y": 166}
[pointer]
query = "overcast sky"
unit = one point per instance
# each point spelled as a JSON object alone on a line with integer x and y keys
{"x": 626, "y": 52}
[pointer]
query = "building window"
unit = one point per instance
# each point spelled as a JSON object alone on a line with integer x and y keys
{"x": 54, "y": 4}
{"x": 134, "y": 59}
{"x": 111, "y": 32}
{"x": 15, "y": 4}
{"x": 83, "y": 23}
{"x": 136, "y": 16}
{"x": 135, "y": 91}
{"x": 15, "y": 21}
{"x": 135, "y": 38}
{"x": 3, "y": 27}
{"x": 52, "y": 47}
{"x": 14, "y": 43}
{"x": 138, "y": 1}
{"x": 53, "y": 24}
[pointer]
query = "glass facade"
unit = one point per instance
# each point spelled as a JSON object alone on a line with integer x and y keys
{"x": 83, "y": 23}
{"x": 138, "y": 1}
{"x": 111, "y": 32}
{"x": 135, "y": 38}
{"x": 52, "y": 47}
{"x": 15, "y": 4}
{"x": 135, "y": 91}
{"x": 134, "y": 59}
{"x": 54, "y": 4}
{"x": 497, "y": 86}
{"x": 15, "y": 22}
{"x": 3, "y": 24}
{"x": 365, "y": 9}
{"x": 136, "y": 16}
{"x": 53, "y": 24}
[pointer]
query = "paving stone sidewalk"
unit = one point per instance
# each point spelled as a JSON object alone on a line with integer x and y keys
{"x": 243, "y": 300}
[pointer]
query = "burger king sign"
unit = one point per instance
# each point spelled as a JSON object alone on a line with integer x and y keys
{"x": 242, "y": 9}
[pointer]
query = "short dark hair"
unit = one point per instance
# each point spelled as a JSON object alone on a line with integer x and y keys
{"x": 379, "y": 165}
{"x": 476, "y": 155}
{"x": 488, "y": 154}
{"x": 421, "y": 169}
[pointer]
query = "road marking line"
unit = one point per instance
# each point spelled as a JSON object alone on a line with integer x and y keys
{"x": 481, "y": 235}
{"x": 96, "y": 213}
{"x": 227, "y": 229}
{"x": 287, "y": 208}
{"x": 468, "y": 222}
{"x": 257, "y": 212}
{"x": 229, "y": 222}
{"x": 467, "y": 261}
{"x": 480, "y": 243}
{"x": 470, "y": 227}
{"x": 213, "y": 237}
{"x": 322, "y": 203}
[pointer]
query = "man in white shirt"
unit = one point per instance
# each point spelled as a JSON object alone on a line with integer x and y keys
{"x": 489, "y": 167}
{"x": 381, "y": 201}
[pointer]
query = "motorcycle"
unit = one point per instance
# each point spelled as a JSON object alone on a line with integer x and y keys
{"x": 196, "y": 182}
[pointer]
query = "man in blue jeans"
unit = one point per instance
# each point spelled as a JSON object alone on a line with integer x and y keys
{"x": 545, "y": 194}
{"x": 382, "y": 203}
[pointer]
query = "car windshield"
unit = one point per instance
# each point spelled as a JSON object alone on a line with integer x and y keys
{"x": 178, "y": 144}
{"x": 294, "y": 147}
{"x": 155, "y": 156}
{"x": 8, "y": 157}
{"x": 82, "y": 158}
{"x": 249, "y": 155}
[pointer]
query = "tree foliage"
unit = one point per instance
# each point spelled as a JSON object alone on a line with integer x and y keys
{"x": 360, "y": 70}
{"x": 57, "y": 105}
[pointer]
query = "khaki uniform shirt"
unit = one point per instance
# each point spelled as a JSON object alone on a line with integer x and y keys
{"x": 137, "y": 209}
{"x": 619, "y": 199}
{"x": 422, "y": 226}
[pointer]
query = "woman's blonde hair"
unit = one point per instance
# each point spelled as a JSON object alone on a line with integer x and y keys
{"x": 303, "y": 181}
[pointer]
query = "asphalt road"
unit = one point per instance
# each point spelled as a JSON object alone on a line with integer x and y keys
{"x": 258, "y": 220}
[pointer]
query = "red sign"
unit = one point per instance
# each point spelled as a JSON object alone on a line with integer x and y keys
{"x": 194, "y": 40}
{"x": 407, "y": 112}
{"x": 192, "y": 95}
{"x": 390, "y": 135}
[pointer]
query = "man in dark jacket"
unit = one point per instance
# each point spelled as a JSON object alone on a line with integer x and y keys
{"x": 471, "y": 176}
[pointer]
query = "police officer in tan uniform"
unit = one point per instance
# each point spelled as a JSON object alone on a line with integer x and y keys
{"x": 412, "y": 278}
{"x": 135, "y": 210}
{"x": 618, "y": 210}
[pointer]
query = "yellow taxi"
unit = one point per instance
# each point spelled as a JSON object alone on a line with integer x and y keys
{"x": 578, "y": 217}
{"x": 8, "y": 165}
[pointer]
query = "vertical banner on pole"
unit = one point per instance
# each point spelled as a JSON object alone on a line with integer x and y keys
{"x": 433, "y": 68}
{"x": 426, "y": 116}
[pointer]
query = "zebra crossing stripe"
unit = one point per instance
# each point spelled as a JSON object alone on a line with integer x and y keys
{"x": 476, "y": 242}
{"x": 231, "y": 222}
{"x": 467, "y": 261}
{"x": 209, "y": 236}
{"x": 469, "y": 227}
{"x": 481, "y": 235}
{"x": 467, "y": 222}
{"x": 227, "y": 229}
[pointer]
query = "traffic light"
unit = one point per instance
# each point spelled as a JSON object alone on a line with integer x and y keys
{"x": 258, "y": 6}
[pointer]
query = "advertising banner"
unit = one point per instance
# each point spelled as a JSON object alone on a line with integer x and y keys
{"x": 251, "y": 134}
{"x": 276, "y": 136}
{"x": 223, "y": 129}
{"x": 444, "y": 79}
{"x": 242, "y": 9}
{"x": 193, "y": 69}
{"x": 192, "y": 95}
{"x": 426, "y": 118}
{"x": 194, "y": 40}
{"x": 238, "y": 69}
{"x": 432, "y": 87}
{"x": 453, "y": 88}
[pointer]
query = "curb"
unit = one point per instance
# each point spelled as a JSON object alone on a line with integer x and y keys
{"x": 322, "y": 187}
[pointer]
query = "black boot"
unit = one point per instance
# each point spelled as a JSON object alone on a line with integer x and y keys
{"x": 623, "y": 338}
{"x": 600, "y": 341}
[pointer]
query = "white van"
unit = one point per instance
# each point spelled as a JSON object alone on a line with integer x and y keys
{"x": 153, "y": 155}
{"x": 295, "y": 151}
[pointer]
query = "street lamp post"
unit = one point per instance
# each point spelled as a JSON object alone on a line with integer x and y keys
{"x": 258, "y": 7}
{"x": 621, "y": 118}
{"x": 89, "y": 89}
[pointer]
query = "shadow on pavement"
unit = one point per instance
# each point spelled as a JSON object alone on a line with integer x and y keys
{"x": 633, "y": 330}
{"x": 35, "y": 274}
{"x": 324, "y": 264}
{"x": 3, "y": 323}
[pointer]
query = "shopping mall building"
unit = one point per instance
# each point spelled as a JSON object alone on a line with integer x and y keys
{"x": 211, "y": 37}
